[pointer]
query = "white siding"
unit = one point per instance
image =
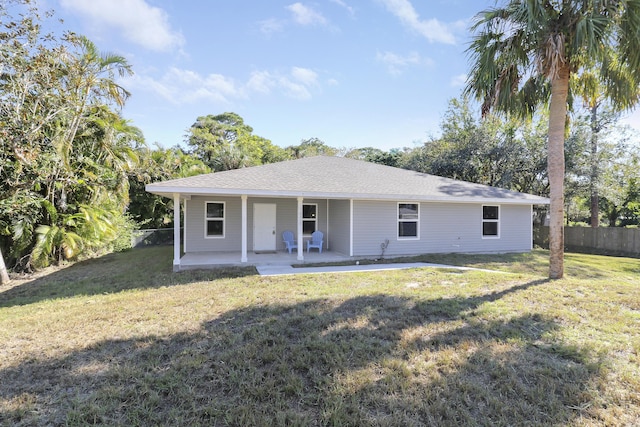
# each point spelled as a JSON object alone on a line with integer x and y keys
{"x": 194, "y": 226}
{"x": 286, "y": 219}
{"x": 339, "y": 225}
{"x": 444, "y": 228}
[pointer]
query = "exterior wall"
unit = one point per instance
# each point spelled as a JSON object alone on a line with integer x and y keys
{"x": 286, "y": 219}
{"x": 194, "y": 227}
{"x": 443, "y": 228}
{"x": 339, "y": 219}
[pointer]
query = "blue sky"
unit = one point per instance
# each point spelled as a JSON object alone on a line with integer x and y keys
{"x": 353, "y": 73}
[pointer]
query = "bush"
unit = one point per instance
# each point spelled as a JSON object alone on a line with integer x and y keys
{"x": 126, "y": 227}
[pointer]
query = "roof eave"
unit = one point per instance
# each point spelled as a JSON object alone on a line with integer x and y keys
{"x": 167, "y": 191}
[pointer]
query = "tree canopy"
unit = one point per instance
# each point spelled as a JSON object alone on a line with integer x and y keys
{"x": 523, "y": 55}
{"x": 64, "y": 148}
{"x": 225, "y": 142}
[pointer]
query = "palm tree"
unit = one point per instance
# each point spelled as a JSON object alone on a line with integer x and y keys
{"x": 88, "y": 78}
{"x": 594, "y": 96}
{"x": 524, "y": 54}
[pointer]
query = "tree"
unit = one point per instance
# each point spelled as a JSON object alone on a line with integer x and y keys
{"x": 490, "y": 151}
{"x": 64, "y": 151}
{"x": 158, "y": 164}
{"x": 524, "y": 55}
{"x": 375, "y": 155}
{"x": 601, "y": 115}
{"x": 311, "y": 147}
{"x": 620, "y": 194}
{"x": 225, "y": 142}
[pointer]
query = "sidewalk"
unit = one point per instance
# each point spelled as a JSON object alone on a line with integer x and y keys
{"x": 281, "y": 270}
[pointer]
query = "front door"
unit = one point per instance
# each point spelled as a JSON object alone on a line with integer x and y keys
{"x": 264, "y": 227}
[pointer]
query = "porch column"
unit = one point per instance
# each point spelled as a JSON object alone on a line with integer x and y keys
{"x": 350, "y": 227}
{"x": 243, "y": 258}
{"x": 176, "y": 231}
{"x": 300, "y": 240}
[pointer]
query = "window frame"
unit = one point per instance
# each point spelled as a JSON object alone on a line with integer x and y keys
{"x": 314, "y": 219}
{"x": 223, "y": 219}
{"x": 416, "y": 220}
{"x": 490, "y": 220}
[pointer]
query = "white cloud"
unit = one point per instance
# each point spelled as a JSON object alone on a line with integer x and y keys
{"x": 459, "y": 80}
{"x": 396, "y": 64}
{"x": 139, "y": 22}
{"x": 341, "y": 3}
{"x": 270, "y": 26}
{"x": 305, "y": 76}
{"x": 261, "y": 82}
{"x": 293, "y": 89}
{"x": 180, "y": 86}
{"x": 432, "y": 29}
{"x": 305, "y": 15}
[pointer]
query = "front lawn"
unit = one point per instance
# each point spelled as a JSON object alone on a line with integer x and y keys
{"x": 121, "y": 340}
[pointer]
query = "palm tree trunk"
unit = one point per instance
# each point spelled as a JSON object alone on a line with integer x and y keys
{"x": 555, "y": 166}
{"x": 4, "y": 276}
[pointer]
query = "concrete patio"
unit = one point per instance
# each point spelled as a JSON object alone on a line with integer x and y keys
{"x": 196, "y": 260}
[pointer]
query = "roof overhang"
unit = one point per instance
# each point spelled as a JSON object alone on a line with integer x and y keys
{"x": 184, "y": 193}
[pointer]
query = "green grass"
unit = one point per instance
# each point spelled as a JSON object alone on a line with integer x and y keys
{"x": 121, "y": 340}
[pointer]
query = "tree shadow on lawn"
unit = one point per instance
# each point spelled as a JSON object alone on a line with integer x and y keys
{"x": 371, "y": 360}
{"x": 133, "y": 269}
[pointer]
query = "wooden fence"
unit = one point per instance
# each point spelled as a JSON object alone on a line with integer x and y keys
{"x": 601, "y": 240}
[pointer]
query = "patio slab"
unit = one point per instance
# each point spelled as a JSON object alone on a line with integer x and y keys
{"x": 202, "y": 260}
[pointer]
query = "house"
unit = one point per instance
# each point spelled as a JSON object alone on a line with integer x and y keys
{"x": 357, "y": 205}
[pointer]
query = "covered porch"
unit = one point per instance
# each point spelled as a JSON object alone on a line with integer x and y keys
{"x": 249, "y": 230}
{"x": 197, "y": 260}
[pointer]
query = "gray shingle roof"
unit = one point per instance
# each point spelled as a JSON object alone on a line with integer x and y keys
{"x": 338, "y": 178}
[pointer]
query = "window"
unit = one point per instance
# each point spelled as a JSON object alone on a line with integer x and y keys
{"x": 214, "y": 219}
{"x": 408, "y": 220}
{"x": 309, "y": 218}
{"x": 490, "y": 221}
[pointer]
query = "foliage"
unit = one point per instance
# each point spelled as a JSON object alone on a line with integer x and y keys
{"x": 311, "y": 147}
{"x": 159, "y": 164}
{"x": 620, "y": 197}
{"x": 64, "y": 151}
{"x": 392, "y": 157}
{"x": 601, "y": 115}
{"x": 225, "y": 142}
{"x": 488, "y": 151}
{"x": 524, "y": 54}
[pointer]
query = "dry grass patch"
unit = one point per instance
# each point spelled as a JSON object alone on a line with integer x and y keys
{"x": 123, "y": 341}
